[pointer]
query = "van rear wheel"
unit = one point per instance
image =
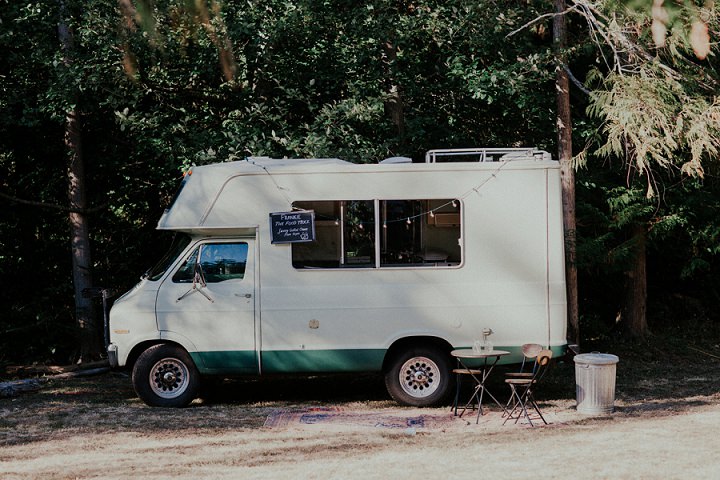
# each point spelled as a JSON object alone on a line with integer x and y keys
{"x": 419, "y": 376}
{"x": 165, "y": 376}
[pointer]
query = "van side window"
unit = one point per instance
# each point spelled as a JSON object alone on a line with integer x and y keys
{"x": 420, "y": 233}
{"x": 412, "y": 233}
{"x": 344, "y": 235}
{"x": 218, "y": 262}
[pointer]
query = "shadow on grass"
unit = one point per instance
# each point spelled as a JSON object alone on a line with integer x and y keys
{"x": 345, "y": 388}
{"x": 666, "y": 405}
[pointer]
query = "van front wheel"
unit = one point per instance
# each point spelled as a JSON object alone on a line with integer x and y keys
{"x": 419, "y": 377}
{"x": 165, "y": 376}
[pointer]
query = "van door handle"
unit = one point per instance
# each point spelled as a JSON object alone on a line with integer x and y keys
{"x": 246, "y": 295}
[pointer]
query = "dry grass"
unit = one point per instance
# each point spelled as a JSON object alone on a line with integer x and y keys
{"x": 665, "y": 424}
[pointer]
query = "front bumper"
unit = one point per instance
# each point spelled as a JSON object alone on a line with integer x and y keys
{"x": 112, "y": 351}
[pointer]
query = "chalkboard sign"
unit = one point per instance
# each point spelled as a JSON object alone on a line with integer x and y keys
{"x": 292, "y": 227}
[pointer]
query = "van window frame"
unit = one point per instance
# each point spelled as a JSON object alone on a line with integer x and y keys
{"x": 198, "y": 253}
{"x": 420, "y": 217}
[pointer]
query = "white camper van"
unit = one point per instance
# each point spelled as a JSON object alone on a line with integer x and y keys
{"x": 321, "y": 265}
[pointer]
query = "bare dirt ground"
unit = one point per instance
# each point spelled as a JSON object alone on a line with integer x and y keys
{"x": 665, "y": 425}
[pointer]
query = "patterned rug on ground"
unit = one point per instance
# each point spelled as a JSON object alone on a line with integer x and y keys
{"x": 338, "y": 416}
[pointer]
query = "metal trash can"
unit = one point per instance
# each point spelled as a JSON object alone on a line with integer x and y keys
{"x": 595, "y": 382}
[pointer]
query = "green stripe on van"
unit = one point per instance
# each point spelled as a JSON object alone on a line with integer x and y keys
{"x": 244, "y": 362}
{"x": 234, "y": 362}
{"x": 289, "y": 361}
{"x": 309, "y": 361}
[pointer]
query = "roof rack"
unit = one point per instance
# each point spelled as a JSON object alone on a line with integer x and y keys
{"x": 485, "y": 155}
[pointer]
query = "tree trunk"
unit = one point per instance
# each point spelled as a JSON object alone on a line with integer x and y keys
{"x": 80, "y": 241}
{"x": 635, "y": 305}
{"x": 79, "y": 231}
{"x": 567, "y": 173}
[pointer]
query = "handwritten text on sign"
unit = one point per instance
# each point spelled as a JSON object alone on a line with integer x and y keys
{"x": 290, "y": 227}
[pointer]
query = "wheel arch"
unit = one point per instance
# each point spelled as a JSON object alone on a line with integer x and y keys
{"x": 414, "y": 341}
{"x": 138, "y": 349}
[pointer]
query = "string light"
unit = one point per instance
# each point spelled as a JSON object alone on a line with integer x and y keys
{"x": 453, "y": 202}
{"x": 431, "y": 212}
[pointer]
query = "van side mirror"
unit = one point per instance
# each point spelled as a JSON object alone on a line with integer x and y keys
{"x": 198, "y": 274}
{"x": 198, "y": 280}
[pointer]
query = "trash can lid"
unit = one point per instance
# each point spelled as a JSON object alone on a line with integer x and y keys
{"x": 596, "y": 358}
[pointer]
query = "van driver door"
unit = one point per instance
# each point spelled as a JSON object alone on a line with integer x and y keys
{"x": 209, "y": 302}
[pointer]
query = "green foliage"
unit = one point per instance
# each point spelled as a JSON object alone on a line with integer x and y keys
{"x": 658, "y": 102}
{"x": 653, "y": 120}
{"x": 682, "y": 234}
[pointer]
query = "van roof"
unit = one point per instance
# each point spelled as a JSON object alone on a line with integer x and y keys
{"x": 259, "y": 165}
{"x": 217, "y": 197}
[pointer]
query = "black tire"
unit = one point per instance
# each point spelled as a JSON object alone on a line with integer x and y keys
{"x": 419, "y": 376}
{"x": 165, "y": 376}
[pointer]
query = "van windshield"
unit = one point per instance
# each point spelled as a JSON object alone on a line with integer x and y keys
{"x": 179, "y": 243}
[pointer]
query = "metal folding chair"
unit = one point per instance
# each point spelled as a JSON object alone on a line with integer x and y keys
{"x": 521, "y": 391}
{"x": 459, "y": 373}
{"x": 530, "y": 352}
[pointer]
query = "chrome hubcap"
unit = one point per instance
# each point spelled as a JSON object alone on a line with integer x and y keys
{"x": 419, "y": 377}
{"x": 169, "y": 378}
